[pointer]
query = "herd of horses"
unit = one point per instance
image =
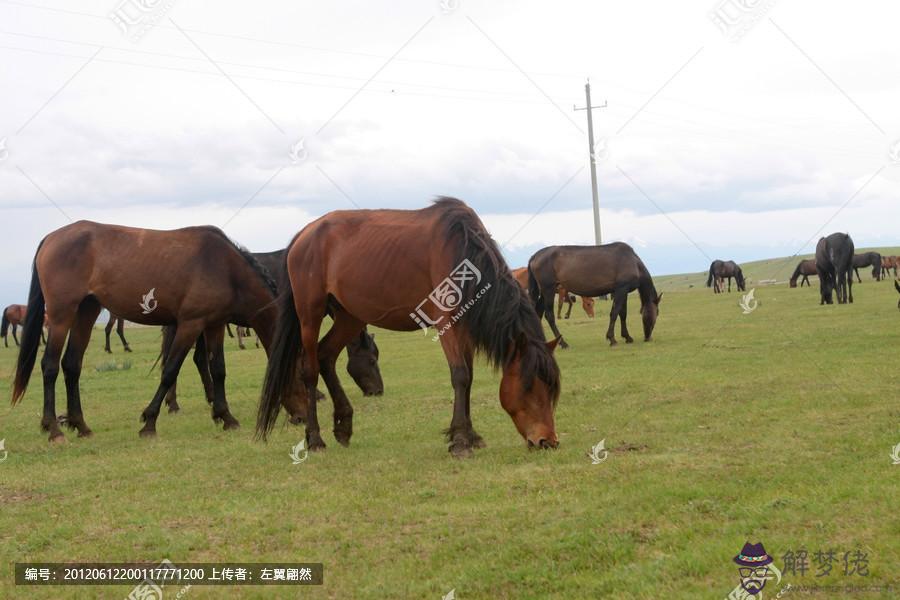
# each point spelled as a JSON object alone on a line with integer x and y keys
{"x": 347, "y": 265}
{"x": 387, "y": 268}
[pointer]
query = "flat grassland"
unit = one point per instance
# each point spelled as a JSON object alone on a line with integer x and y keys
{"x": 775, "y": 426}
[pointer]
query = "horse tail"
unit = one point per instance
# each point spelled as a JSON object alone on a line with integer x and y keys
{"x": 4, "y": 325}
{"x": 281, "y": 371}
{"x": 31, "y": 333}
{"x": 534, "y": 290}
{"x": 709, "y": 279}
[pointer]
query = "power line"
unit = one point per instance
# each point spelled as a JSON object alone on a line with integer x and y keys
{"x": 292, "y": 44}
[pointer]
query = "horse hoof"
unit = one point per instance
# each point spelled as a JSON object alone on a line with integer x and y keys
{"x": 86, "y": 433}
{"x": 127, "y": 349}
{"x": 478, "y": 442}
{"x": 108, "y": 351}
{"x": 342, "y": 439}
{"x": 613, "y": 342}
{"x": 629, "y": 340}
{"x": 147, "y": 433}
{"x": 563, "y": 344}
{"x": 461, "y": 451}
{"x": 57, "y": 438}
{"x": 233, "y": 424}
{"x": 174, "y": 409}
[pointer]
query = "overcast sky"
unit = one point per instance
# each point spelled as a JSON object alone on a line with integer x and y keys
{"x": 712, "y": 144}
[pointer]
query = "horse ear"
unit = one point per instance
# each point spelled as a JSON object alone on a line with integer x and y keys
{"x": 659, "y": 298}
{"x": 552, "y": 344}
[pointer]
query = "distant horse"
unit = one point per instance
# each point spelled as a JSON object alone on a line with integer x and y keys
{"x": 587, "y": 303}
{"x": 14, "y": 315}
{"x": 888, "y": 263}
{"x": 404, "y": 270}
{"x": 897, "y": 287}
{"x": 719, "y": 270}
{"x": 594, "y": 271}
{"x": 834, "y": 260}
{"x": 805, "y": 268}
{"x": 867, "y": 259}
{"x": 193, "y": 278}
{"x": 119, "y": 324}
{"x": 242, "y": 332}
{"x": 521, "y": 277}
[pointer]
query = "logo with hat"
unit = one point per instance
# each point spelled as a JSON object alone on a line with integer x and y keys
{"x": 755, "y": 567}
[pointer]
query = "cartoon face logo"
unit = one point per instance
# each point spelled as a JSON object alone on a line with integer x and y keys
{"x": 755, "y": 568}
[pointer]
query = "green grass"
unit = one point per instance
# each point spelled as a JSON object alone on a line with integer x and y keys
{"x": 774, "y": 426}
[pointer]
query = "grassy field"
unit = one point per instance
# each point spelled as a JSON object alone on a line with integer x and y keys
{"x": 775, "y": 426}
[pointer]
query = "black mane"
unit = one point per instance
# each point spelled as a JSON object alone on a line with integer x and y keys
{"x": 502, "y": 320}
{"x": 260, "y": 270}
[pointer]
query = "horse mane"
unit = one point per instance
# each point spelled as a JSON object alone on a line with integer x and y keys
{"x": 796, "y": 274}
{"x": 646, "y": 289}
{"x": 257, "y": 266}
{"x": 502, "y": 320}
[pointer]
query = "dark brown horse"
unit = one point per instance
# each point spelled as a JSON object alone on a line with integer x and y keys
{"x": 594, "y": 271}
{"x": 867, "y": 259}
{"x": 719, "y": 270}
{"x": 834, "y": 261}
{"x": 897, "y": 287}
{"x": 402, "y": 270}
{"x": 194, "y": 278}
{"x": 805, "y": 268}
{"x": 119, "y": 323}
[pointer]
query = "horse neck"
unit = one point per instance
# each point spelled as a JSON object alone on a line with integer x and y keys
{"x": 646, "y": 289}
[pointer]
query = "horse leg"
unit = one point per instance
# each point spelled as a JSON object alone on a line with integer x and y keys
{"x": 461, "y": 435}
{"x": 186, "y": 334}
{"x": 345, "y": 328}
{"x": 171, "y": 399}
{"x": 15, "y": 338}
{"x": 622, "y": 315}
{"x": 309, "y": 359}
{"x": 215, "y": 340}
{"x": 551, "y": 321}
{"x": 79, "y": 337}
{"x": 849, "y": 288}
{"x": 109, "y": 326}
{"x": 618, "y": 297}
{"x": 50, "y": 371}
{"x": 240, "y": 335}
{"x": 120, "y": 329}
{"x": 571, "y": 304}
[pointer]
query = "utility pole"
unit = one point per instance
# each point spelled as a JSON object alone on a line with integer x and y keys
{"x": 594, "y": 193}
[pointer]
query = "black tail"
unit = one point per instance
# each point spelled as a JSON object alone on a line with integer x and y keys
{"x": 281, "y": 371}
{"x": 534, "y": 290}
{"x": 31, "y": 334}
{"x": 710, "y": 278}
{"x": 4, "y": 325}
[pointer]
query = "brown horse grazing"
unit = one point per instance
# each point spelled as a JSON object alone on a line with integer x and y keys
{"x": 594, "y": 271}
{"x": 719, "y": 270}
{"x": 14, "y": 315}
{"x": 867, "y": 259}
{"x": 193, "y": 278}
{"x": 402, "y": 270}
{"x": 587, "y": 303}
{"x": 805, "y": 268}
{"x": 888, "y": 263}
{"x": 119, "y": 323}
{"x": 834, "y": 261}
